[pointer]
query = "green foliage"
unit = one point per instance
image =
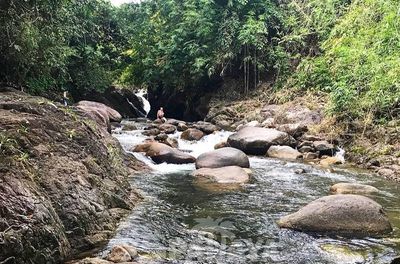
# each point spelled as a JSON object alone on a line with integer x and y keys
{"x": 177, "y": 44}
{"x": 58, "y": 45}
{"x": 360, "y": 64}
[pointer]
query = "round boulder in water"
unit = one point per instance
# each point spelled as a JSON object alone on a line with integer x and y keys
{"x": 257, "y": 140}
{"x": 346, "y": 215}
{"x": 192, "y": 134}
{"x": 223, "y": 175}
{"x": 223, "y": 157}
{"x": 206, "y": 127}
{"x": 167, "y": 128}
{"x": 284, "y": 152}
{"x": 160, "y": 153}
{"x": 352, "y": 188}
{"x": 182, "y": 127}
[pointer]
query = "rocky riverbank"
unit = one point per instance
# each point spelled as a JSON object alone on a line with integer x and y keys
{"x": 63, "y": 180}
{"x": 367, "y": 145}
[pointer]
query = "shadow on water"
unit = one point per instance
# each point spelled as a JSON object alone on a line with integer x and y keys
{"x": 181, "y": 222}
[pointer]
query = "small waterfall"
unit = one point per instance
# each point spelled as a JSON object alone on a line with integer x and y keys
{"x": 146, "y": 104}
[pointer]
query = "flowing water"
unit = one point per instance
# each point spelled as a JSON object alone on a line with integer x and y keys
{"x": 182, "y": 222}
{"x": 146, "y": 104}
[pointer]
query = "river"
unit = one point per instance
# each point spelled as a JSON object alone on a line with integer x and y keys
{"x": 182, "y": 222}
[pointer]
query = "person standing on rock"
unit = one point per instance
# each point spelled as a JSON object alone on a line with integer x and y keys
{"x": 65, "y": 98}
{"x": 160, "y": 115}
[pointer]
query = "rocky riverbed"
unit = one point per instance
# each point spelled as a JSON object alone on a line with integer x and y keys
{"x": 217, "y": 210}
{"x": 204, "y": 195}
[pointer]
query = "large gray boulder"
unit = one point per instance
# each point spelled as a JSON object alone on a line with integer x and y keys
{"x": 257, "y": 140}
{"x": 223, "y": 157}
{"x": 223, "y": 175}
{"x": 112, "y": 114}
{"x": 283, "y": 152}
{"x": 160, "y": 153}
{"x": 345, "y": 215}
{"x": 352, "y": 188}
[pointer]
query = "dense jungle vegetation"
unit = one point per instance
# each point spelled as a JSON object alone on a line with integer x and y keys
{"x": 348, "y": 49}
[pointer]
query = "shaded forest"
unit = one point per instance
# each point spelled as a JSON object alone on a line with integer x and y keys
{"x": 348, "y": 50}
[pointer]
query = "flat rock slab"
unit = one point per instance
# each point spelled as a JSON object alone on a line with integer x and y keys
{"x": 257, "y": 140}
{"x": 345, "y": 215}
{"x": 352, "y": 188}
{"x": 223, "y": 157}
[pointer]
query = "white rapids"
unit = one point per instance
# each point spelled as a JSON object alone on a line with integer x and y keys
{"x": 129, "y": 139}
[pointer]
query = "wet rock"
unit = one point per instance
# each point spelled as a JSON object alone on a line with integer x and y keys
{"x": 305, "y": 149}
{"x": 299, "y": 171}
{"x": 324, "y": 148}
{"x": 119, "y": 254}
{"x": 257, "y": 140}
{"x": 206, "y": 127}
{"x": 329, "y": 161}
{"x": 223, "y": 175}
{"x": 151, "y": 132}
{"x": 311, "y": 138}
{"x": 306, "y": 144}
{"x": 310, "y": 156}
{"x": 192, "y": 134}
{"x": 225, "y": 124}
{"x": 129, "y": 127}
{"x": 283, "y": 152}
{"x": 161, "y": 137}
{"x": 222, "y": 144}
{"x": 167, "y": 128}
{"x": 175, "y": 122}
{"x": 160, "y": 153}
{"x": 172, "y": 142}
{"x": 182, "y": 127}
{"x": 223, "y": 157}
{"x": 345, "y": 215}
{"x": 157, "y": 122}
{"x": 352, "y": 188}
{"x": 112, "y": 114}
